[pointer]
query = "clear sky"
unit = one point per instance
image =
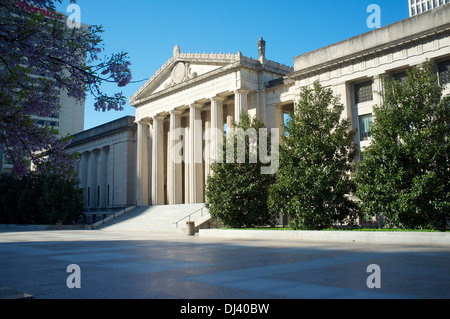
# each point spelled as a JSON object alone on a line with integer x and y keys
{"x": 148, "y": 30}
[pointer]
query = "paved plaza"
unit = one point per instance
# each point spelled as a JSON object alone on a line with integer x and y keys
{"x": 140, "y": 265}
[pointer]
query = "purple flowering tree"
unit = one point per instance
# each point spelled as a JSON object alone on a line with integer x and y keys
{"x": 39, "y": 56}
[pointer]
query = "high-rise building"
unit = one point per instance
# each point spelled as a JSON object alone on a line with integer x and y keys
{"x": 70, "y": 118}
{"x": 419, "y": 6}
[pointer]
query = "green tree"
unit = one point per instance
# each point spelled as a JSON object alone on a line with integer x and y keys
{"x": 237, "y": 191}
{"x": 313, "y": 181}
{"x": 404, "y": 175}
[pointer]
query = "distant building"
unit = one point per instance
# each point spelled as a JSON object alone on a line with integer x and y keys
{"x": 107, "y": 169}
{"x": 70, "y": 119}
{"x": 419, "y": 6}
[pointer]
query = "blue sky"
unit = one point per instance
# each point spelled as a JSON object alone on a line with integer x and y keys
{"x": 148, "y": 30}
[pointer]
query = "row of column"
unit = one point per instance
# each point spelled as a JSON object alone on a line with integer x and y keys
{"x": 192, "y": 155}
{"x": 94, "y": 179}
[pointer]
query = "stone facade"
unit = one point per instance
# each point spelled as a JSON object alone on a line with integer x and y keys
{"x": 193, "y": 94}
{"x": 106, "y": 169}
{"x": 200, "y": 91}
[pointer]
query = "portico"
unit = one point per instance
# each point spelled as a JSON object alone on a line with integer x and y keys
{"x": 182, "y": 113}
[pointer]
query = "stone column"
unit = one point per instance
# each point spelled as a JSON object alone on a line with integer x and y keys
{"x": 158, "y": 161}
{"x": 83, "y": 175}
{"x": 186, "y": 159}
{"x": 207, "y": 146}
{"x": 280, "y": 119}
{"x": 91, "y": 182}
{"x": 174, "y": 170}
{"x": 195, "y": 154}
{"x": 142, "y": 164}
{"x": 230, "y": 116}
{"x": 240, "y": 103}
{"x": 216, "y": 128}
{"x": 82, "y": 170}
{"x": 110, "y": 177}
{"x": 92, "y": 173}
{"x": 103, "y": 173}
{"x": 98, "y": 187}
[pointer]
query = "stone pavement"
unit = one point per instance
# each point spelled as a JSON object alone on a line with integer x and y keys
{"x": 140, "y": 265}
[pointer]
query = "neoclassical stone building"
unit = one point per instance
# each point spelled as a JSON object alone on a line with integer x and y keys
{"x": 200, "y": 91}
{"x": 194, "y": 93}
{"x": 106, "y": 169}
{"x": 197, "y": 93}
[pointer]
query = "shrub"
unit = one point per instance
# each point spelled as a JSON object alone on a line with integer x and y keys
{"x": 39, "y": 199}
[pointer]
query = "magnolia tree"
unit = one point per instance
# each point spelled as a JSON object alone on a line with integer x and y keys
{"x": 404, "y": 175}
{"x": 42, "y": 52}
{"x": 316, "y": 155}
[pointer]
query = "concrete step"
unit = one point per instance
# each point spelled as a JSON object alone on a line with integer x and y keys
{"x": 153, "y": 218}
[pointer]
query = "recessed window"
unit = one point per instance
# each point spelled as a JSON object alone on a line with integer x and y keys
{"x": 444, "y": 72}
{"x": 363, "y": 92}
{"x": 399, "y": 76}
{"x": 365, "y": 127}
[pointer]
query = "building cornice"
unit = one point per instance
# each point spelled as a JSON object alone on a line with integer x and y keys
{"x": 124, "y": 123}
{"x": 229, "y": 60}
{"x": 411, "y": 30}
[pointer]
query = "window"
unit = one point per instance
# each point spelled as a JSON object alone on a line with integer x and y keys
{"x": 363, "y": 92}
{"x": 365, "y": 127}
{"x": 444, "y": 72}
{"x": 399, "y": 76}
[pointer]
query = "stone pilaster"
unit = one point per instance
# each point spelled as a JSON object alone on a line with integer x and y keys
{"x": 240, "y": 103}
{"x": 280, "y": 120}
{"x": 378, "y": 89}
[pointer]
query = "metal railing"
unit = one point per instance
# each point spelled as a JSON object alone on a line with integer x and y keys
{"x": 189, "y": 216}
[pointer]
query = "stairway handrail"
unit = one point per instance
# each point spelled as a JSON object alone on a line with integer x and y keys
{"x": 189, "y": 216}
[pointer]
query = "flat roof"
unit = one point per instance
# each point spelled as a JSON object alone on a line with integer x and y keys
{"x": 430, "y": 22}
{"x": 103, "y": 130}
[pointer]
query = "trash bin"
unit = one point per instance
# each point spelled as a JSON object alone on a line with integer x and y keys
{"x": 190, "y": 228}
